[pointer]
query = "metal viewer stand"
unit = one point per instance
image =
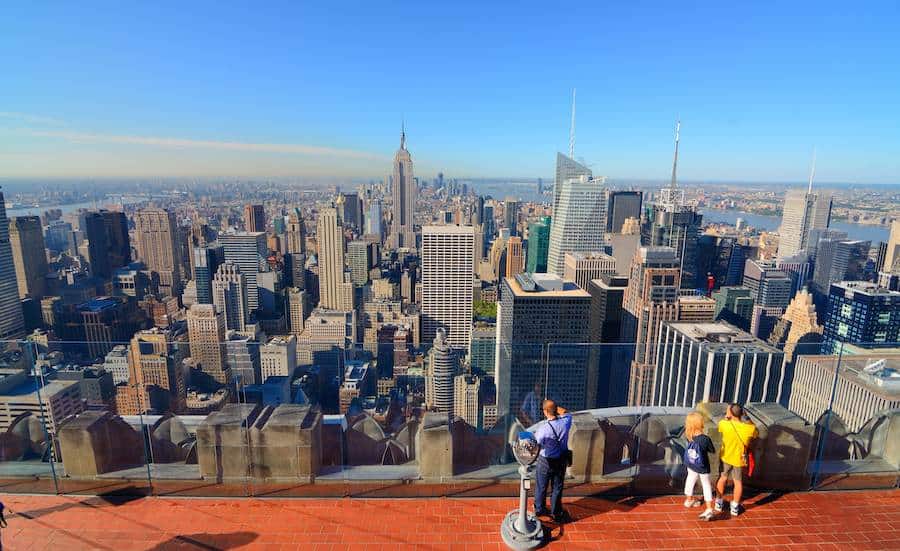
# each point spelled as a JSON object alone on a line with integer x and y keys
{"x": 520, "y": 529}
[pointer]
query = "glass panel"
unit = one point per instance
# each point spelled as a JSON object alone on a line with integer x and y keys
{"x": 395, "y": 417}
{"x": 27, "y": 457}
{"x": 858, "y": 424}
{"x": 101, "y": 449}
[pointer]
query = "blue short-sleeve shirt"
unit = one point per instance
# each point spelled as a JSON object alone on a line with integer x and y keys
{"x": 553, "y": 444}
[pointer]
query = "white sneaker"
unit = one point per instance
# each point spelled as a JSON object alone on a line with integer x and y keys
{"x": 708, "y": 514}
{"x": 691, "y": 502}
{"x": 735, "y": 509}
{"x": 720, "y": 505}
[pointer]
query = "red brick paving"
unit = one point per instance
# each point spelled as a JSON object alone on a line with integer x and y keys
{"x": 827, "y": 520}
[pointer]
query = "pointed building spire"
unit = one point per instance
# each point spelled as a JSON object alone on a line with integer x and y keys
{"x": 402, "y": 134}
{"x": 572, "y": 129}
{"x": 812, "y": 171}
{"x": 675, "y": 160}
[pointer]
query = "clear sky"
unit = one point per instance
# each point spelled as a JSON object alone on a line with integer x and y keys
{"x": 262, "y": 88}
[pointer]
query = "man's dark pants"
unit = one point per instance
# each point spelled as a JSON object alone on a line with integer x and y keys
{"x": 552, "y": 471}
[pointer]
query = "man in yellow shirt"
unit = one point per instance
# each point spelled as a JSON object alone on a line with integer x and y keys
{"x": 737, "y": 437}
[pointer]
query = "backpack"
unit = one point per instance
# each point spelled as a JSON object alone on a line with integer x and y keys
{"x": 693, "y": 456}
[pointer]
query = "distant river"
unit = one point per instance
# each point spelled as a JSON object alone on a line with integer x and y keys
{"x": 771, "y": 223}
{"x": 66, "y": 209}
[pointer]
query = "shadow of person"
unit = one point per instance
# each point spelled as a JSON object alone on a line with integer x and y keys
{"x": 759, "y": 498}
{"x": 552, "y": 532}
{"x": 206, "y": 542}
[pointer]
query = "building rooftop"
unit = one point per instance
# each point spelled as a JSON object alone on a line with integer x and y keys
{"x": 878, "y": 372}
{"x": 593, "y": 255}
{"x": 823, "y": 520}
{"x": 98, "y": 304}
{"x": 867, "y": 287}
{"x": 27, "y": 390}
{"x": 449, "y": 228}
{"x": 722, "y": 335}
{"x": 544, "y": 285}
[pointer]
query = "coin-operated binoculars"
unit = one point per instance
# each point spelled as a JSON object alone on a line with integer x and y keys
{"x": 521, "y": 530}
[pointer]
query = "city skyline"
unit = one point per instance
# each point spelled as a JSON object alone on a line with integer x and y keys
{"x": 755, "y": 91}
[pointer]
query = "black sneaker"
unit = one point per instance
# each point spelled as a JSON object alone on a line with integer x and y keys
{"x": 561, "y": 518}
{"x": 541, "y": 513}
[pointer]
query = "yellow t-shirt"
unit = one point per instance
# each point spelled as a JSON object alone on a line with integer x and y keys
{"x": 736, "y": 435}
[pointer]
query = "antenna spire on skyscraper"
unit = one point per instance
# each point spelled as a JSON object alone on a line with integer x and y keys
{"x": 675, "y": 160}
{"x": 402, "y": 133}
{"x": 812, "y": 171}
{"x": 572, "y": 129}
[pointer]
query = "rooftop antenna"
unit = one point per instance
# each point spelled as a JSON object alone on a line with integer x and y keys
{"x": 572, "y": 129}
{"x": 812, "y": 171}
{"x": 402, "y": 133}
{"x": 675, "y": 160}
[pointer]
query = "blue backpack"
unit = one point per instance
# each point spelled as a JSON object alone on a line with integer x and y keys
{"x": 693, "y": 457}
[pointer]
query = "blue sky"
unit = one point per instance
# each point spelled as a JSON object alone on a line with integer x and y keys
{"x": 108, "y": 89}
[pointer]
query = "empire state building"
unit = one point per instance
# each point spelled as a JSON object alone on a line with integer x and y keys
{"x": 404, "y": 197}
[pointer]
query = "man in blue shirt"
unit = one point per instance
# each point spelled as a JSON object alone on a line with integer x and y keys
{"x": 553, "y": 436}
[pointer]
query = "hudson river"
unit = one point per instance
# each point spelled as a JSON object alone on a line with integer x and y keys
{"x": 771, "y": 223}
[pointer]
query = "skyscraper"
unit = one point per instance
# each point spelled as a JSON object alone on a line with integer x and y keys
{"x": 803, "y": 211}
{"x": 567, "y": 169}
{"x": 229, "y": 292}
{"x": 330, "y": 239}
{"x": 579, "y": 220}
{"x": 157, "y": 375}
{"x": 768, "y": 285}
{"x": 254, "y": 218}
{"x": 206, "y": 334}
{"x": 515, "y": 257}
{"x": 248, "y": 251}
{"x": 467, "y": 399}
{"x": 892, "y": 253}
{"x": 295, "y": 233}
{"x": 672, "y": 223}
{"x": 93, "y": 227}
{"x": 610, "y": 356}
{"x": 157, "y": 245}
{"x": 622, "y": 205}
{"x": 716, "y": 362}
{"x": 447, "y": 278}
{"x": 735, "y": 305}
{"x": 351, "y": 217}
{"x": 839, "y": 260}
{"x": 542, "y": 327}
{"x": 29, "y": 256}
{"x": 404, "y": 194}
{"x": 511, "y": 215}
{"x": 106, "y": 322}
{"x": 117, "y": 241}
{"x": 278, "y": 357}
{"x": 206, "y": 262}
{"x": 650, "y": 299}
{"x": 441, "y": 373}
{"x": 373, "y": 219}
{"x": 360, "y": 256}
{"x": 12, "y": 321}
{"x": 582, "y": 267}
{"x": 482, "y": 350}
{"x": 296, "y": 310}
{"x": 538, "y": 246}
{"x": 859, "y": 312}
{"x": 798, "y": 329}
{"x": 489, "y": 225}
